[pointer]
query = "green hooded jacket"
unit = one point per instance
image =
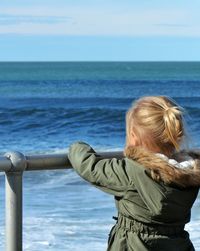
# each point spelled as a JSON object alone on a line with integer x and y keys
{"x": 151, "y": 215}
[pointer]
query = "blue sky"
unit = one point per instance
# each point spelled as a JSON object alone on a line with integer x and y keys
{"x": 98, "y": 30}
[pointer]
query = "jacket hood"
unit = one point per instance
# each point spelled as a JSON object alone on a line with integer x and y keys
{"x": 183, "y": 170}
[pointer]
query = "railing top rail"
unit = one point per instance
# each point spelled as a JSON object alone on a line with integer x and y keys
{"x": 47, "y": 161}
{"x": 16, "y": 161}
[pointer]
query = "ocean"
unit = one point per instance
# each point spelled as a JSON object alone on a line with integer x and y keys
{"x": 47, "y": 106}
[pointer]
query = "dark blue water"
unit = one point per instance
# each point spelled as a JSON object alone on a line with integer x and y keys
{"x": 46, "y": 106}
{"x": 52, "y": 114}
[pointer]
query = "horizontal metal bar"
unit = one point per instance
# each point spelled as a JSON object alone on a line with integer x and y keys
{"x": 49, "y": 161}
{"x": 59, "y": 161}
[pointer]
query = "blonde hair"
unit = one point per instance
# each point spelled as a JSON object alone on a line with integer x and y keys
{"x": 157, "y": 121}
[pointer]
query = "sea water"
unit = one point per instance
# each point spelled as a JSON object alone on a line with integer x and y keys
{"x": 47, "y": 106}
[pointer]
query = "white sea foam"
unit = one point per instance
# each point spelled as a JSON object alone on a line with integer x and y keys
{"x": 194, "y": 229}
{"x": 64, "y": 234}
{"x": 98, "y": 149}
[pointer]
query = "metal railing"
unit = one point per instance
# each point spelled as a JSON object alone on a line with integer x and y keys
{"x": 14, "y": 164}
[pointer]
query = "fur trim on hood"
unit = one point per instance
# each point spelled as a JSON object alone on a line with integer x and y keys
{"x": 167, "y": 170}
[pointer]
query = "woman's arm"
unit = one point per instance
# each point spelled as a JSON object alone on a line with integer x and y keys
{"x": 109, "y": 175}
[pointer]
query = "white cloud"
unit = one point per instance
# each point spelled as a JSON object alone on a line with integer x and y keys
{"x": 6, "y": 19}
{"x": 92, "y": 21}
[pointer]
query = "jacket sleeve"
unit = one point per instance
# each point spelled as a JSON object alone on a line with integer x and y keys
{"x": 109, "y": 175}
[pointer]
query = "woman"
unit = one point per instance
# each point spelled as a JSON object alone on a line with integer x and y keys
{"x": 153, "y": 192}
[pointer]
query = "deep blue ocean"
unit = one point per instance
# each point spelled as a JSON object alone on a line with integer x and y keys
{"x": 45, "y": 107}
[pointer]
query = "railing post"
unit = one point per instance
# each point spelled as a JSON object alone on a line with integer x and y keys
{"x": 13, "y": 213}
{"x": 14, "y": 207}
